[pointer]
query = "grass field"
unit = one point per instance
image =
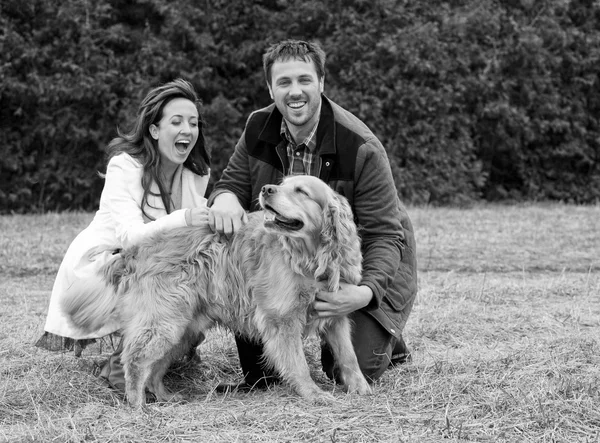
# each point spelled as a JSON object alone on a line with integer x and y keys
{"x": 505, "y": 337}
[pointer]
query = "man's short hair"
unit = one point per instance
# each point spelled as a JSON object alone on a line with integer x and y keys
{"x": 297, "y": 50}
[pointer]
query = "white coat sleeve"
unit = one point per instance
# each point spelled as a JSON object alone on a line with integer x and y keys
{"x": 123, "y": 193}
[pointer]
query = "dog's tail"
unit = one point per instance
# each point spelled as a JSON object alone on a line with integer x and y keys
{"x": 91, "y": 302}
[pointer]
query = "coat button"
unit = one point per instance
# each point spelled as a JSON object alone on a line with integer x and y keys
{"x": 393, "y": 331}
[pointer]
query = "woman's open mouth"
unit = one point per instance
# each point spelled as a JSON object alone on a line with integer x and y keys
{"x": 182, "y": 146}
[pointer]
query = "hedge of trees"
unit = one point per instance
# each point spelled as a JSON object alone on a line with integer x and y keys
{"x": 473, "y": 99}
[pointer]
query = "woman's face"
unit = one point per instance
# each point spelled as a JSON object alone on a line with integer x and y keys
{"x": 176, "y": 132}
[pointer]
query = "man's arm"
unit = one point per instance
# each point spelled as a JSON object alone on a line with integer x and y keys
{"x": 379, "y": 217}
{"x": 232, "y": 193}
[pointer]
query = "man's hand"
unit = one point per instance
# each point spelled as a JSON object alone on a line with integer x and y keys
{"x": 196, "y": 216}
{"x": 226, "y": 215}
{"x": 347, "y": 299}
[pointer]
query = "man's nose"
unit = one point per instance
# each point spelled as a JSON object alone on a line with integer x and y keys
{"x": 295, "y": 89}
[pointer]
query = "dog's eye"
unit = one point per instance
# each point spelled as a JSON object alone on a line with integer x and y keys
{"x": 302, "y": 191}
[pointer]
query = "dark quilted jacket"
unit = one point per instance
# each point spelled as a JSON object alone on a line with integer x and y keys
{"x": 355, "y": 164}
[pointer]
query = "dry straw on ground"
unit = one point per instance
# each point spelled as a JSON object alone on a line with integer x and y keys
{"x": 505, "y": 337}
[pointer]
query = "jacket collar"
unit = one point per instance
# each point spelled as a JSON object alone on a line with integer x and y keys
{"x": 271, "y": 132}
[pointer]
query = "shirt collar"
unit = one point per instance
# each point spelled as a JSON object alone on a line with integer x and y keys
{"x": 310, "y": 141}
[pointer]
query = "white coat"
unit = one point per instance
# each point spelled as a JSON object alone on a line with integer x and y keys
{"x": 118, "y": 223}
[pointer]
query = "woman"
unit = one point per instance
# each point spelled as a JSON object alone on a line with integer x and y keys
{"x": 156, "y": 178}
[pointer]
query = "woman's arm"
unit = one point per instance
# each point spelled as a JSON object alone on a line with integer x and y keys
{"x": 122, "y": 196}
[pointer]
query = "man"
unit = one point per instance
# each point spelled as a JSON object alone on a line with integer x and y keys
{"x": 303, "y": 132}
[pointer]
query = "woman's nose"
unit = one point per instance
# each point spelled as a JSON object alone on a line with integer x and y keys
{"x": 186, "y": 128}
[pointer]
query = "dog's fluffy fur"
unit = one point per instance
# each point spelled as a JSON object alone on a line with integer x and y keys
{"x": 260, "y": 284}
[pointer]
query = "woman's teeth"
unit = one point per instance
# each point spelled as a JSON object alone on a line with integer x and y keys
{"x": 182, "y": 146}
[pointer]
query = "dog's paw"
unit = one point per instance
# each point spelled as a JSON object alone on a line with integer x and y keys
{"x": 360, "y": 387}
{"x": 169, "y": 397}
{"x": 322, "y": 398}
{"x": 176, "y": 398}
{"x": 138, "y": 403}
{"x": 316, "y": 395}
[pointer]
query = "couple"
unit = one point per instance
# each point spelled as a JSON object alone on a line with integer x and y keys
{"x": 157, "y": 176}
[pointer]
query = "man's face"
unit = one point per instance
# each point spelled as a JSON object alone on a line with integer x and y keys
{"x": 296, "y": 90}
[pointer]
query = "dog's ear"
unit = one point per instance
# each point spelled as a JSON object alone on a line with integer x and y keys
{"x": 339, "y": 254}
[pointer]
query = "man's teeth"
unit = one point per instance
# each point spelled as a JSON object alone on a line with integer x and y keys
{"x": 296, "y": 104}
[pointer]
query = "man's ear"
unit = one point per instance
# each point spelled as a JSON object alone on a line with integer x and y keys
{"x": 154, "y": 131}
{"x": 270, "y": 91}
{"x": 322, "y": 84}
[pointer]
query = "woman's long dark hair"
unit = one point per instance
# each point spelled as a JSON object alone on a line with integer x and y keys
{"x": 139, "y": 144}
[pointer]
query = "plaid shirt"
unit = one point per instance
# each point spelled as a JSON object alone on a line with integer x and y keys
{"x": 303, "y": 157}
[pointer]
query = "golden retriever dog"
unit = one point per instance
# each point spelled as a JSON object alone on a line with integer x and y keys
{"x": 261, "y": 283}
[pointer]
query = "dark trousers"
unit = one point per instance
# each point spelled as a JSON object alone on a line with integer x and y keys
{"x": 373, "y": 345}
{"x": 113, "y": 370}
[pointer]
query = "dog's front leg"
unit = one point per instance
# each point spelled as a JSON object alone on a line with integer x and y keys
{"x": 284, "y": 351}
{"x": 337, "y": 335}
{"x": 136, "y": 375}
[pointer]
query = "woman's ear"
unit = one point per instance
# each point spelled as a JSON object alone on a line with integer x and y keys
{"x": 154, "y": 131}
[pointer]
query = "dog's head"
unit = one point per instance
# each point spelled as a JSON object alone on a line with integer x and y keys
{"x": 306, "y": 209}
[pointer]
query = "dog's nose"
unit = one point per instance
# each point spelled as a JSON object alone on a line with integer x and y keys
{"x": 268, "y": 189}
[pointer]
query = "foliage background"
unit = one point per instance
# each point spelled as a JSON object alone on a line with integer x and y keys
{"x": 473, "y": 99}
